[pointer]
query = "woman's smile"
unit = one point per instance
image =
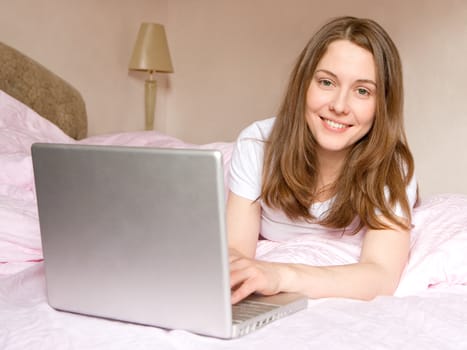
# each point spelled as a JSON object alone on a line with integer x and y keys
{"x": 334, "y": 126}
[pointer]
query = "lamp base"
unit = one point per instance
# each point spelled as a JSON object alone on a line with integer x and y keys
{"x": 150, "y": 87}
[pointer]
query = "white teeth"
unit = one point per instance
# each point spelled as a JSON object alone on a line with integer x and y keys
{"x": 334, "y": 125}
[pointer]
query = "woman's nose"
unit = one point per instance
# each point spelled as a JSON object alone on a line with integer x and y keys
{"x": 339, "y": 103}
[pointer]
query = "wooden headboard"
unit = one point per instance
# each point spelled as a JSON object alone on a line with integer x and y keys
{"x": 43, "y": 91}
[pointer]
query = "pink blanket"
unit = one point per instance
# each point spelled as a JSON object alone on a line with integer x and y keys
{"x": 435, "y": 278}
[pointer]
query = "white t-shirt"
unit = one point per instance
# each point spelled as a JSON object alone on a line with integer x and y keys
{"x": 245, "y": 181}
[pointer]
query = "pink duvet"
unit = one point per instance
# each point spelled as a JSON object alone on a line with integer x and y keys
{"x": 436, "y": 275}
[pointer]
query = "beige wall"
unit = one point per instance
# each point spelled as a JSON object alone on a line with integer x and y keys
{"x": 232, "y": 59}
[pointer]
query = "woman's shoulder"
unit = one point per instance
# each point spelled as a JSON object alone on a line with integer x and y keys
{"x": 258, "y": 130}
{"x": 247, "y": 159}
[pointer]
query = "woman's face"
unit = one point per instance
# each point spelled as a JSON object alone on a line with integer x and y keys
{"x": 341, "y": 98}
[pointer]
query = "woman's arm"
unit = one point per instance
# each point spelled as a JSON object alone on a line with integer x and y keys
{"x": 243, "y": 225}
{"x": 383, "y": 258}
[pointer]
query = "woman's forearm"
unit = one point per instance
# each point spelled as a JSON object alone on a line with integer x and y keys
{"x": 358, "y": 281}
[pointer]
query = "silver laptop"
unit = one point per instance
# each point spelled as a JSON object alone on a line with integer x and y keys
{"x": 139, "y": 235}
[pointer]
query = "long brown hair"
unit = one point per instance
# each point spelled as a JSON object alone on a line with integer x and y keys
{"x": 380, "y": 161}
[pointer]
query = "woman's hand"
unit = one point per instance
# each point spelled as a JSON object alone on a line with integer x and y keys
{"x": 248, "y": 276}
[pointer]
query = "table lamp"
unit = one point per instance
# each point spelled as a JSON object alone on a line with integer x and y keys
{"x": 151, "y": 54}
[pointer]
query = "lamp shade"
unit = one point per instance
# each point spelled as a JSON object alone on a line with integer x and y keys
{"x": 151, "y": 51}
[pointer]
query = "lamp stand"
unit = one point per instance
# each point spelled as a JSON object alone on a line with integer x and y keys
{"x": 150, "y": 87}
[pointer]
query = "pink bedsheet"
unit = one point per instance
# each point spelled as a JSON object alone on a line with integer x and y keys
{"x": 432, "y": 320}
{"x": 429, "y": 311}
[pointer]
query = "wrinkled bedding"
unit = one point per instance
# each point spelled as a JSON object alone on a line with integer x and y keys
{"x": 429, "y": 310}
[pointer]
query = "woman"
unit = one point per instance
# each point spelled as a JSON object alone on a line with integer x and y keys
{"x": 335, "y": 160}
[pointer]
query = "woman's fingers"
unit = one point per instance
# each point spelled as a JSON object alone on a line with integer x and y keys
{"x": 248, "y": 276}
{"x": 245, "y": 277}
{"x": 240, "y": 270}
{"x": 240, "y": 293}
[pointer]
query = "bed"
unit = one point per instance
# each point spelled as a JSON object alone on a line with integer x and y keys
{"x": 428, "y": 311}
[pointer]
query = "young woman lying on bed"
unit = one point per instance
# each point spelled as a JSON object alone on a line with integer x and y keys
{"x": 335, "y": 160}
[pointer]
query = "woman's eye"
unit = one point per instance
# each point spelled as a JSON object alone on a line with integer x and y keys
{"x": 363, "y": 92}
{"x": 325, "y": 82}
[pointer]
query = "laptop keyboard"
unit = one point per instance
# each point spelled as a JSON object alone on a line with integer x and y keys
{"x": 248, "y": 309}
